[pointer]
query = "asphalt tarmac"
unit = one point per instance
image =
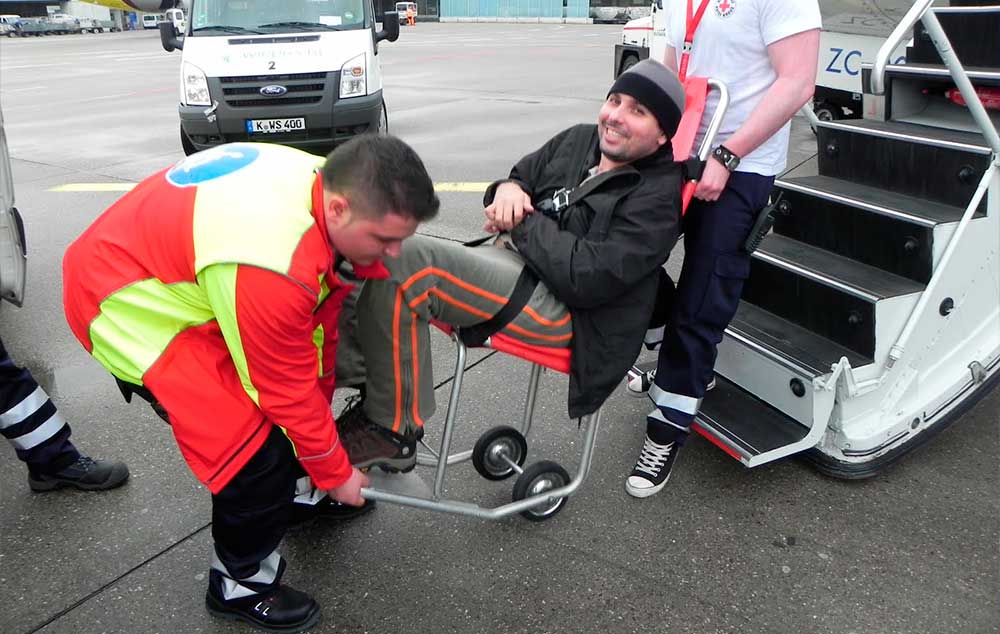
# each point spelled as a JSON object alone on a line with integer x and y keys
{"x": 721, "y": 549}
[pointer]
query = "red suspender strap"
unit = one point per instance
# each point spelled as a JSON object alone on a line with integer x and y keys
{"x": 693, "y": 20}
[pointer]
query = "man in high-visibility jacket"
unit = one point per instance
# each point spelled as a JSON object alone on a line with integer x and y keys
{"x": 211, "y": 290}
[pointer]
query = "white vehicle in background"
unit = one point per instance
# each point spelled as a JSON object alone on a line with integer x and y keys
{"x": 403, "y": 7}
{"x": 838, "y": 77}
{"x": 9, "y": 24}
{"x": 151, "y": 20}
{"x": 304, "y": 73}
{"x": 177, "y": 17}
{"x": 13, "y": 262}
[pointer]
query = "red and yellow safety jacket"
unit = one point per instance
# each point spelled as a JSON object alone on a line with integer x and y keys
{"x": 212, "y": 284}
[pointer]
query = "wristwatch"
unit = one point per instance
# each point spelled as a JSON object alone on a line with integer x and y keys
{"x": 723, "y": 155}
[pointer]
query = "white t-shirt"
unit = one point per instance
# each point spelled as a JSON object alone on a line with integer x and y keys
{"x": 730, "y": 45}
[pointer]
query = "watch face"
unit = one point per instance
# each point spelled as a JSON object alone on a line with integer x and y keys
{"x": 727, "y": 158}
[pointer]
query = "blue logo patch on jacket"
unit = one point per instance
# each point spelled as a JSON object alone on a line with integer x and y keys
{"x": 211, "y": 164}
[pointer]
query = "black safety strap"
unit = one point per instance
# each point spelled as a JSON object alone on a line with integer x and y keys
{"x": 565, "y": 198}
{"x": 479, "y": 241}
{"x": 475, "y": 336}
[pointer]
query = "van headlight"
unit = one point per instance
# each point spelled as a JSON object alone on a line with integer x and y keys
{"x": 194, "y": 86}
{"x": 353, "y": 78}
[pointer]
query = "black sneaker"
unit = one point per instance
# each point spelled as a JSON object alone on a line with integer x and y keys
{"x": 328, "y": 509}
{"x": 652, "y": 469}
{"x": 369, "y": 444}
{"x": 283, "y": 609}
{"x": 86, "y": 474}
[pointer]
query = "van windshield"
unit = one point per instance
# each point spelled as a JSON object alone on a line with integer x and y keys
{"x": 276, "y": 16}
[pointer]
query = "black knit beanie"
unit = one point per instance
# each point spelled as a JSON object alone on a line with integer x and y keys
{"x": 657, "y": 88}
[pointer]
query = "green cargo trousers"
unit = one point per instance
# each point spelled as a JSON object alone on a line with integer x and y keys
{"x": 451, "y": 283}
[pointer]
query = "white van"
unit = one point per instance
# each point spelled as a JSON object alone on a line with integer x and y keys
{"x": 9, "y": 24}
{"x": 403, "y": 7}
{"x": 177, "y": 17}
{"x": 151, "y": 20}
{"x": 303, "y": 73}
{"x": 13, "y": 262}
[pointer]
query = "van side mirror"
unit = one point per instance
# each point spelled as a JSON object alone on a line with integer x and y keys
{"x": 170, "y": 40}
{"x": 390, "y": 27}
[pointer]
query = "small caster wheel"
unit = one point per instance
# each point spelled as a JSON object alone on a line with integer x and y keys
{"x": 495, "y": 445}
{"x": 538, "y": 478}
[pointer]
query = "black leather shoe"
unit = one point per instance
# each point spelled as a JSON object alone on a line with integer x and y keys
{"x": 328, "y": 509}
{"x": 86, "y": 474}
{"x": 284, "y": 610}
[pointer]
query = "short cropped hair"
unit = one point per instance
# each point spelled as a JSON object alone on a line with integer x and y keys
{"x": 380, "y": 175}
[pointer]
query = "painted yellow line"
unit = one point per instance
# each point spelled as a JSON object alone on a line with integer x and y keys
{"x": 124, "y": 187}
{"x": 94, "y": 187}
{"x": 478, "y": 188}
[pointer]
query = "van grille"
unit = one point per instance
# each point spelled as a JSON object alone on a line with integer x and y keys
{"x": 244, "y": 92}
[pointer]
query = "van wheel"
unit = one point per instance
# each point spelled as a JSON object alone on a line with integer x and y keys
{"x": 826, "y": 111}
{"x": 383, "y": 121}
{"x": 629, "y": 62}
{"x": 186, "y": 144}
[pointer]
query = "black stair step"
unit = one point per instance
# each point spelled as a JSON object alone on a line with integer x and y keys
{"x": 826, "y": 311}
{"x": 889, "y": 231}
{"x": 791, "y": 342}
{"x": 970, "y": 142}
{"x": 747, "y": 421}
{"x": 898, "y": 206}
{"x": 979, "y": 75}
{"x": 850, "y": 276}
{"x": 828, "y": 294}
{"x": 973, "y": 36}
{"x": 894, "y": 156}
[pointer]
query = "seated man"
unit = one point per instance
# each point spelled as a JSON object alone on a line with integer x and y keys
{"x": 577, "y": 270}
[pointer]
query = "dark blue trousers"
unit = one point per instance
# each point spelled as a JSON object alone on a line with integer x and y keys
{"x": 30, "y": 422}
{"x": 704, "y": 300}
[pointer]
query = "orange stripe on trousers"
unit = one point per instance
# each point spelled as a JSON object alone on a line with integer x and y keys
{"x": 475, "y": 290}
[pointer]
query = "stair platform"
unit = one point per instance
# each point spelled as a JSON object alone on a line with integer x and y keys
{"x": 789, "y": 343}
{"x": 875, "y": 200}
{"x": 850, "y": 276}
{"x": 744, "y": 423}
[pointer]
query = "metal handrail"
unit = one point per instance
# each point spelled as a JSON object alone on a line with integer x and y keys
{"x": 923, "y": 11}
{"x": 962, "y": 81}
{"x": 895, "y": 38}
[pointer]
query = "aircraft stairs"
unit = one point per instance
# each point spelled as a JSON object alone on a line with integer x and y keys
{"x": 871, "y": 317}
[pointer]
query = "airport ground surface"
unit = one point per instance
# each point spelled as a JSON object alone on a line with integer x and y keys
{"x": 721, "y": 549}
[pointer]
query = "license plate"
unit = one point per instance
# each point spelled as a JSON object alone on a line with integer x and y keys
{"x": 271, "y": 126}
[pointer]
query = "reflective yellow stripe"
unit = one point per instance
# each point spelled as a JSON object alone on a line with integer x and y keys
{"x": 318, "y": 337}
{"x": 256, "y": 215}
{"x": 137, "y": 323}
{"x": 219, "y": 283}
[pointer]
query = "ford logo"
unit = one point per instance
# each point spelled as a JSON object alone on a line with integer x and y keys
{"x": 273, "y": 90}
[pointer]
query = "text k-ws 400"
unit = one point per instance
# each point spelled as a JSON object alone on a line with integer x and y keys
{"x": 271, "y": 126}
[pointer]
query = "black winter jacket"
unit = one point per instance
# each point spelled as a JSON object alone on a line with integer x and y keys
{"x": 601, "y": 258}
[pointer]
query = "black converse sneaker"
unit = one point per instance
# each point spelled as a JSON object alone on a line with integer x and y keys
{"x": 638, "y": 382}
{"x": 652, "y": 469}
